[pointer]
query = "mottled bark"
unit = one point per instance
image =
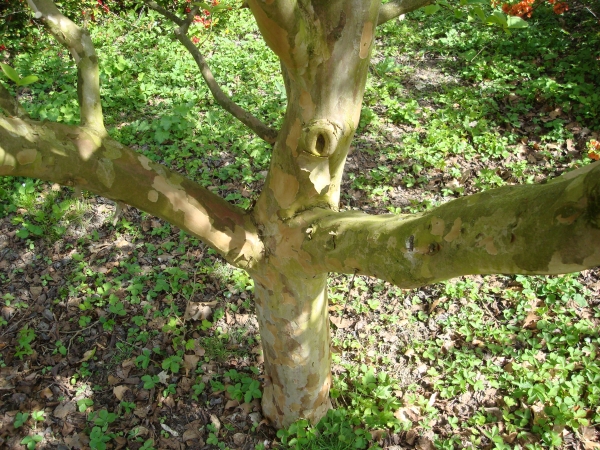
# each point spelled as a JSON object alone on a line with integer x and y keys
{"x": 295, "y": 235}
{"x": 83, "y": 158}
{"x": 291, "y": 308}
{"x": 548, "y": 228}
{"x": 324, "y": 50}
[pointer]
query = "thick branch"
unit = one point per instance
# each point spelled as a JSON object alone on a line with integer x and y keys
{"x": 396, "y": 8}
{"x": 10, "y": 104}
{"x": 263, "y": 131}
{"x": 79, "y": 43}
{"x": 532, "y": 229}
{"x": 78, "y": 156}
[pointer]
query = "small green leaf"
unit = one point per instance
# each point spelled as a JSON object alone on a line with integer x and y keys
{"x": 30, "y": 79}
{"x": 10, "y": 73}
{"x": 516, "y": 22}
{"x": 431, "y": 9}
{"x": 497, "y": 18}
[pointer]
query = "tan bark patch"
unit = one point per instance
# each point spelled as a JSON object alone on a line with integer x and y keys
{"x": 437, "y": 226}
{"x": 284, "y": 187}
{"x": 86, "y": 147}
{"x": 454, "y": 231}
{"x": 195, "y": 217}
{"x": 489, "y": 245}
{"x": 365, "y": 40}
{"x": 27, "y": 156}
{"x": 8, "y": 162}
{"x": 152, "y": 195}
{"x": 275, "y": 36}
{"x": 105, "y": 172}
{"x": 307, "y": 105}
{"x": 293, "y": 137}
{"x": 145, "y": 162}
{"x": 318, "y": 169}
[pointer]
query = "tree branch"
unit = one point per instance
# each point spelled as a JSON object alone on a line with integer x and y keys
{"x": 395, "y": 8}
{"x": 81, "y": 157}
{"x": 10, "y": 104}
{"x": 263, "y": 131}
{"x": 548, "y": 228}
{"x": 79, "y": 43}
{"x": 164, "y": 12}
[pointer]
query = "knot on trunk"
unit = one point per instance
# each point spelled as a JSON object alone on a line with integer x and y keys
{"x": 321, "y": 137}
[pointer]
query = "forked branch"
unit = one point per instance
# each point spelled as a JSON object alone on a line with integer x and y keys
{"x": 263, "y": 131}
{"x": 77, "y": 40}
{"x": 549, "y": 229}
{"x": 83, "y": 158}
{"x": 395, "y": 8}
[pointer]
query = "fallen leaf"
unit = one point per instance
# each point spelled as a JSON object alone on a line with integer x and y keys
{"x": 340, "y": 322}
{"x": 232, "y": 404}
{"x": 64, "y": 409}
{"x": 162, "y": 376}
{"x": 47, "y": 394}
{"x": 166, "y": 427}
{"x": 190, "y": 362}
{"x": 119, "y": 391}
{"x": 113, "y": 380}
{"x": 197, "y": 311}
{"x": 88, "y": 355}
{"x": 188, "y": 435}
{"x": 531, "y": 320}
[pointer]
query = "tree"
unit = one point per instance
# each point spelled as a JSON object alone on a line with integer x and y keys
{"x": 295, "y": 234}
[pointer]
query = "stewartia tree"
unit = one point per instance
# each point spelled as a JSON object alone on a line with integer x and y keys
{"x": 295, "y": 234}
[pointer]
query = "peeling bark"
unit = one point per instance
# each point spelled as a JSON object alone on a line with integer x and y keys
{"x": 81, "y": 158}
{"x": 295, "y": 235}
{"x": 548, "y": 228}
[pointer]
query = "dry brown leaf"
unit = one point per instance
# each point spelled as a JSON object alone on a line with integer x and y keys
{"x": 425, "y": 444}
{"x": 232, "y": 404}
{"x": 188, "y": 435}
{"x": 531, "y": 320}
{"x": 197, "y": 311}
{"x": 64, "y": 409}
{"x": 47, "y": 393}
{"x": 190, "y": 362}
{"x": 340, "y": 322}
{"x": 113, "y": 380}
{"x": 119, "y": 391}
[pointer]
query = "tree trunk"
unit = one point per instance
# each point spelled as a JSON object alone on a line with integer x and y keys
{"x": 292, "y": 313}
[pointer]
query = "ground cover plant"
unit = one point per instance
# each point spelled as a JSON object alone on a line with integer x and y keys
{"x": 137, "y": 335}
